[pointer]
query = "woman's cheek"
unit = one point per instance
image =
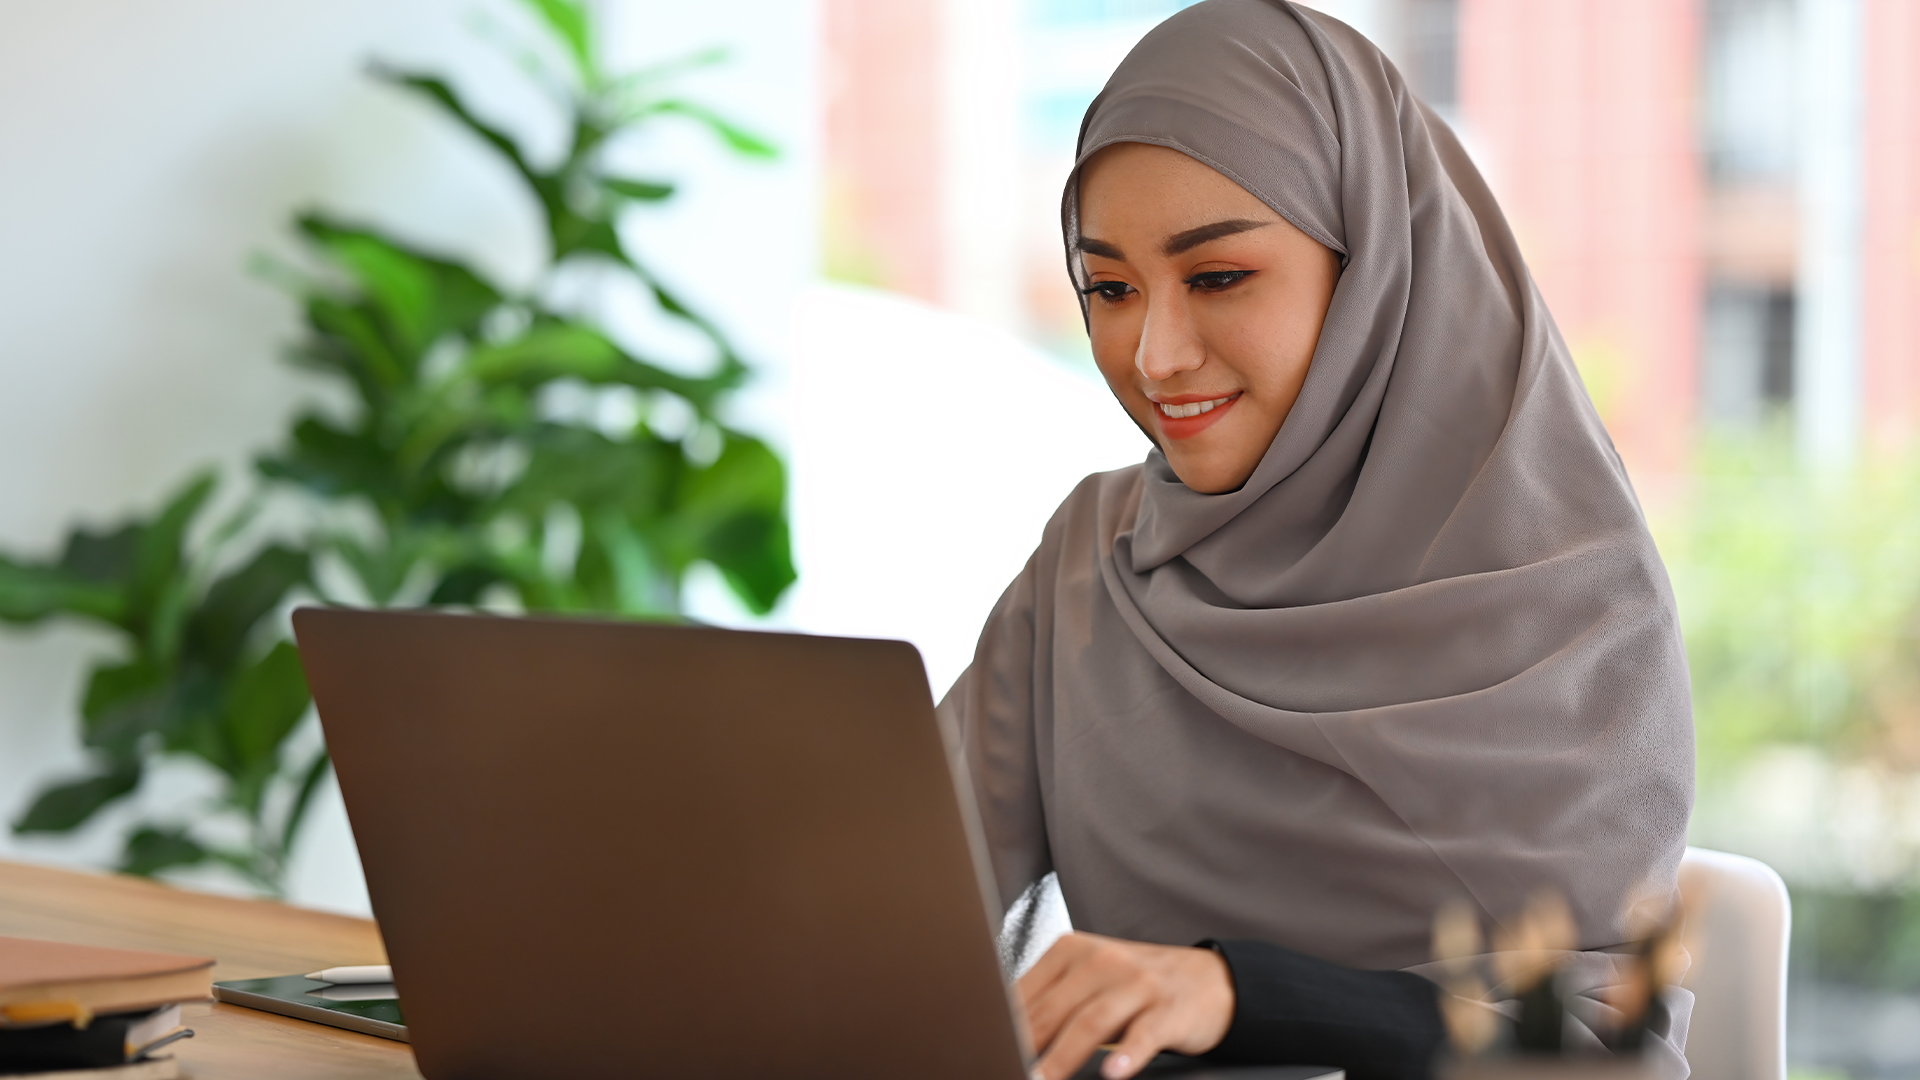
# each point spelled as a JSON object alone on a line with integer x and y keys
{"x": 1114, "y": 358}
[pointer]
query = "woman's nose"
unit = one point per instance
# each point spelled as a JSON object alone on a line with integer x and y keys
{"x": 1169, "y": 343}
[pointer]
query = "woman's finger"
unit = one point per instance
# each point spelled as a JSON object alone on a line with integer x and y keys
{"x": 1055, "y": 1007}
{"x": 1145, "y": 1037}
{"x": 1085, "y": 969}
{"x": 1100, "y": 1020}
{"x": 1055, "y": 962}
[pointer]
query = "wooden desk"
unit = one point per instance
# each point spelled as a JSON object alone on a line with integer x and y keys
{"x": 250, "y": 939}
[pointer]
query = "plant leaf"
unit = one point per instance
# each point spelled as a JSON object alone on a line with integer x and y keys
{"x": 738, "y": 139}
{"x": 464, "y": 584}
{"x": 151, "y": 850}
{"x": 103, "y": 557}
{"x": 399, "y": 286}
{"x": 316, "y": 771}
{"x": 754, "y": 553}
{"x": 570, "y": 23}
{"x": 638, "y": 190}
{"x": 29, "y": 593}
{"x": 265, "y": 704}
{"x": 588, "y": 469}
{"x": 219, "y": 627}
{"x": 636, "y": 584}
{"x": 347, "y": 337}
{"x": 552, "y": 351}
{"x": 731, "y": 372}
{"x": 420, "y": 297}
{"x": 63, "y": 807}
{"x": 123, "y": 703}
{"x": 98, "y": 573}
{"x": 383, "y": 568}
{"x": 439, "y": 92}
{"x": 193, "y": 722}
{"x": 333, "y": 463}
{"x": 575, "y": 234}
{"x": 666, "y": 70}
{"x": 160, "y": 562}
{"x": 736, "y": 509}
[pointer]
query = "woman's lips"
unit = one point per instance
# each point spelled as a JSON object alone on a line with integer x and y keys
{"x": 1185, "y": 419}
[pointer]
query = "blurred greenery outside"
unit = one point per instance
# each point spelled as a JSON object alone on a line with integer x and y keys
{"x": 1799, "y": 596}
{"x": 495, "y": 449}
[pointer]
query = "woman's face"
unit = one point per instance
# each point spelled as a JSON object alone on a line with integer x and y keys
{"x": 1204, "y": 306}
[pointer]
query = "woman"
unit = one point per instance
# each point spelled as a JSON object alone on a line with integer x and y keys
{"x": 1376, "y": 627}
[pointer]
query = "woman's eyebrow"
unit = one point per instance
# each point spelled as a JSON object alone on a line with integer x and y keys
{"x": 1193, "y": 238}
{"x": 1177, "y": 243}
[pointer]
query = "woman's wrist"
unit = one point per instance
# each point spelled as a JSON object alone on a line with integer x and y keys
{"x": 1090, "y": 990}
{"x": 1291, "y": 1008}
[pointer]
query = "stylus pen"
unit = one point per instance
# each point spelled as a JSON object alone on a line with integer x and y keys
{"x": 365, "y": 973}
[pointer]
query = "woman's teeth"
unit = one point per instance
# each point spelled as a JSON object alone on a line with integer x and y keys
{"x": 1195, "y": 408}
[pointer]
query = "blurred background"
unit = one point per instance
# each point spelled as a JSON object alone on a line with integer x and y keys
{"x": 1720, "y": 200}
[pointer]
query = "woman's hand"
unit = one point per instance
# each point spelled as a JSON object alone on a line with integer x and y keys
{"x": 1090, "y": 990}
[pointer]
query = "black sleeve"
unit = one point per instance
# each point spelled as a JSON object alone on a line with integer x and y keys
{"x": 1293, "y": 1009}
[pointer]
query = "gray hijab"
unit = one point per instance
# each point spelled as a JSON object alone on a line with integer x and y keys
{"x": 1427, "y": 652}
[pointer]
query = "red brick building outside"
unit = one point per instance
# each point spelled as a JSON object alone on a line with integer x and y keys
{"x": 1891, "y": 241}
{"x": 883, "y": 184}
{"x": 1582, "y": 113}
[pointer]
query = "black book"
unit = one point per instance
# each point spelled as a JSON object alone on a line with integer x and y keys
{"x": 114, "y": 1039}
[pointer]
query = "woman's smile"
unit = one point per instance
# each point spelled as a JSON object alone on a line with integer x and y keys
{"x": 1182, "y": 416}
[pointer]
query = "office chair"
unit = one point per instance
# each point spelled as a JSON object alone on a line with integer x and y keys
{"x": 1736, "y": 931}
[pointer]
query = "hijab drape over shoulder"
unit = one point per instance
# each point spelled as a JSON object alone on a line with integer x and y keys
{"x": 1427, "y": 652}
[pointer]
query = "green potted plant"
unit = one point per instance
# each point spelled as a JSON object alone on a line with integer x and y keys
{"x": 457, "y": 476}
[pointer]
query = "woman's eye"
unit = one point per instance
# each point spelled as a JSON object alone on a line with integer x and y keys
{"x": 1111, "y": 291}
{"x": 1216, "y": 280}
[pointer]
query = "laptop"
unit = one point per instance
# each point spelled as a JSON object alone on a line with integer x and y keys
{"x": 601, "y": 849}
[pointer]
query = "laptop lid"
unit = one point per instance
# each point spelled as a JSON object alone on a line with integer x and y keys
{"x": 615, "y": 849}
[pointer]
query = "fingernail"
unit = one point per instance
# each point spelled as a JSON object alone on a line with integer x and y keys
{"x": 1116, "y": 1066}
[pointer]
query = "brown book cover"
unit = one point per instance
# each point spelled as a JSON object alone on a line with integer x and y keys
{"x": 42, "y": 981}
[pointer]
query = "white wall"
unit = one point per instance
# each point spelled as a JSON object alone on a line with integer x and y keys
{"x": 929, "y": 451}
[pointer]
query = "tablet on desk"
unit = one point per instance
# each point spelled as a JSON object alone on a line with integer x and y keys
{"x": 371, "y": 1009}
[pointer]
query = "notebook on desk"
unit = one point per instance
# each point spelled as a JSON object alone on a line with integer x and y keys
{"x": 718, "y": 854}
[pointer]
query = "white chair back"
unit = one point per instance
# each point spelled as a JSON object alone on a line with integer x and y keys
{"x": 1736, "y": 932}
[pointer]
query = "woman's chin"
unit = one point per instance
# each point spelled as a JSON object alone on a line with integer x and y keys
{"x": 1215, "y": 458}
{"x": 1208, "y": 476}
